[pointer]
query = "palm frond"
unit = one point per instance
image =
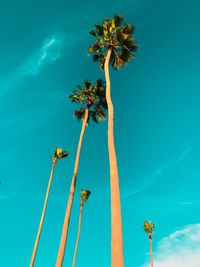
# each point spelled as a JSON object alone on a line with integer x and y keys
{"x": 117, "y": 63}
{"x": 101, "y": 94}
{"x": 79, "y": 114}
{"x": 128, "y": 28}
{"x": 93, "y": 32}
{"x": 99, "y": 29}
{"x": 102, "y": 62}
{"x": 106, "y": 24}
{"x": 85, "y": 194}
{"x": 96, "y": 57}
{"x": 103, "y": 103}
{"x": 93, "y": 116}
{"x": 87, "y": 84}
{"x": 100, "y": 114}
{"x": 118, "y": 19}
{"x": 80, "y": 90}
{"x": 59, "y": 153}
{"x": 125, "y": 56}
{"x": 64, "y": 154}
{"x": 148, "y": 227}
{"x": 76, "y": 98}
{"x": 130, "y": 44}
{"x": 94, "y": 48}
{"x": 99, "y": 84}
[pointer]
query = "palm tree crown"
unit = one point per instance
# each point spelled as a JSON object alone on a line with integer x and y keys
{"x": 91, "y": 97}
{"x": 115, "y": 36}
{"x": 85, "y": 195}
{"x": 148, "y": 227}
{"x": 59, "y": 154}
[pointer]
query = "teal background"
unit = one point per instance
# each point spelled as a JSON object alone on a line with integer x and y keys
{"x": 156, "y": 97}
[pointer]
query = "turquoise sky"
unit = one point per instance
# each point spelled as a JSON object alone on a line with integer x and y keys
{"x": 43, "y": 52}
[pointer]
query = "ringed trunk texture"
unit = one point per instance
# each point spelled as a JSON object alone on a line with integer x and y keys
{"x": 78, "y": 234}
{"x": 117, "y": 258}
{"x": 151, "y": 252}
{"x": 42, "y": 216}
{"x": 63, "y": 240}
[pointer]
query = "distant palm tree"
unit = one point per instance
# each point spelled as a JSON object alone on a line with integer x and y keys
{"x": 93, "y": 106}
{"x": 149, "y": 228}
{"x": 84, "y": 196}
{"x": 58, "y": 154}
{"x": 114, "y": 44}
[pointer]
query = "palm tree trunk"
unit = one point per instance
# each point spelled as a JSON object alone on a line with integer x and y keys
{"x": 42, "y": 216}
{"x": 151, "y": 251}
{"x": 116, "y": 220}
{"x": 78, "y": 235}
{"x": 63, "y": 239}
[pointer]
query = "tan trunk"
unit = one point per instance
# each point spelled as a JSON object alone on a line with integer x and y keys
{"x": 78, "y": 234}
{"x": 117, "y": 258}
{"x": 42, "y": 216}
{"x": 63, "y": 239}
{"x": 151, "y": 252}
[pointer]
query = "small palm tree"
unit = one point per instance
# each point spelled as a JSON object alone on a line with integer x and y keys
{"x": 114, "y": 44}
{"x": 149, "y": 229}
{"x": 93, "y": 106}
{"x": 57, "y": 154}
{"x": 84, "y": 196}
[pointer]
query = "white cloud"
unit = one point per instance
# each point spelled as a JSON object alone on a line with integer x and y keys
{"x": 179, "y": 249}
{"x": 47, "y": 54}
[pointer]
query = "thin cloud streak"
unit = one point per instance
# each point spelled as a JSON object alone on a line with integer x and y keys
{"x": 10, "y": 196}
{"x": 157, "y": 175}
{"x": 47, "y": 54}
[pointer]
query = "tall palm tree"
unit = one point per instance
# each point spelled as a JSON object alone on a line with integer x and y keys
{"x": 114, "y": 44}
{"x": 149, "y": 229}
{"x": 84, "y": 196}
{"x": 58, "y": 154}
{"x": 93, "y": 106}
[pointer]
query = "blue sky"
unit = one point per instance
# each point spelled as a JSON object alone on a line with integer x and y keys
{"x": 43, "y": 53}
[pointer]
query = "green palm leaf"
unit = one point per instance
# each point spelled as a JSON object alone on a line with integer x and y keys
{"x": 118, "y": 37}
{"x": 59, "y": 153}
{"x": 92, "y": 97}
{"x": 148, "y": 227}
{"x": 118, "y": 19}
{"x": 99, "y": 29}
{"x": 94, "y": 116}
{"x": 85, "y": 194}
{"x": 79, "y": 114}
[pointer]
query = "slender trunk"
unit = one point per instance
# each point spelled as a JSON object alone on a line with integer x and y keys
{"x": 63, "y": 240}
{"x": 116, "y": 220}
{"x": 42, "y": 216}
{"x": 151, "y": 251}
{"x": 78, "y": 234}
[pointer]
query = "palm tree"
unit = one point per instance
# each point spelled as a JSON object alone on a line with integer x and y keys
{"x": 84, "y": 196}
{"x": 114, "y": 44}
{"x": 93, "y": 106}
{"x": 149, "y": 228}
{"x": 58, "y": 154}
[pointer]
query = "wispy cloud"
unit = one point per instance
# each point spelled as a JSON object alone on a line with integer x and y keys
{"x": 189, "y": 203}
{"x": 49, "y": 52}
{"x": 9, "y": 196}
{"x": 157, "y": 174}
{"x": 179, "y": 249}
{"x": 46, "y": 54}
